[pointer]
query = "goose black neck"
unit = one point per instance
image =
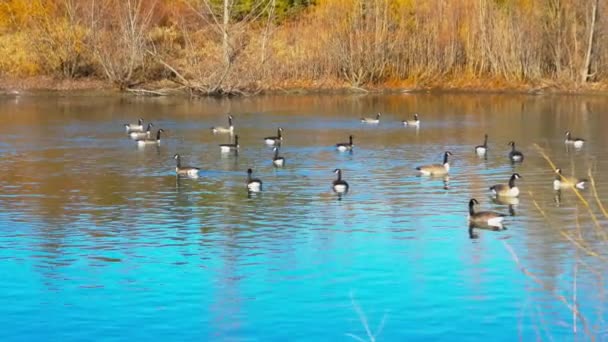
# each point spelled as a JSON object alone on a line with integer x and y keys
{"x": 558, "y": 175}
{"x": 471, "y": 207}
{"x": 512, "y": 181}
{"x": 445, "y": 158}
{"x": 276, "y": 153}
{"x": 485, "y": 141}
{"x": 350, "y": 140}
{"x": 178, "y": 161}
{"x": 236, "y": 140}
{"x": 339, "y": 175}
{"x": 513, "y": 147}
{"x": 229, "y": 121}
{"x": 279, "y": 133}
{"x": 158, "y": 134}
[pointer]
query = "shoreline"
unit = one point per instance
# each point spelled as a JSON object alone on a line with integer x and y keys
{"x": 46, "y": 84}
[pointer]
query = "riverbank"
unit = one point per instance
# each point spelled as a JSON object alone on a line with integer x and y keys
{"x": 167, "y": 88}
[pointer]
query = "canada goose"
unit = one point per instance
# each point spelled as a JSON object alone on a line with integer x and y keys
{"x": 483, "y": 148}
{"x": 253, "y": 184}
{"x": 274, "y": 140}
{"x": 415, "y": 122}
{"x": 372, "y": 120}
{"x": 276, "y": 160}
{"x": 339, "y": 186}
{"x": 562, "y": 182}
{"x": 576, "y": 142}
{"x": 515, "y": 155}
{"x": 436, "y": 169}
{"x": 506, "y": 190}
{"x": 138, "y": 127}
{"x": 220, "y": 129}
{"x": 148, "y": 141}
{"x": 230, "y": 147}
{"x": 141, "y": 135}
{"x": 342, "y": 147}
{"x": 184, "y": 170}
{"x": 485, "y": 218}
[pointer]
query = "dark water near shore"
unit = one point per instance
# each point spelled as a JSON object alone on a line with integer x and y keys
{"x": 100, "y": 240}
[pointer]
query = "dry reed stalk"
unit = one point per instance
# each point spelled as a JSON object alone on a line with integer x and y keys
{"x": 596, "y": 196}
{"x": 578, "y": 225}
{"x": 543, "y": 323}
{"x": 598, "y": 228}
{"x": 561, "y": 298}
{"x": 587, "y": 250}
{"x": 363, "y": 318}
{"x": 574, "y": 287}
{"x": 520, "y": 319}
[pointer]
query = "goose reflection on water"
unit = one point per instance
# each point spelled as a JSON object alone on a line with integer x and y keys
{"x": 511, "y": 202}
{"x": 558, "y": 198}
{"x": 474, "y": 235}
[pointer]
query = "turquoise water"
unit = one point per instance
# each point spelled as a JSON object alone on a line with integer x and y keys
{"x": 100, "y": 241}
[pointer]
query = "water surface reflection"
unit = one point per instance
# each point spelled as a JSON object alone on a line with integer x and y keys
{"x": 100, "y": 238}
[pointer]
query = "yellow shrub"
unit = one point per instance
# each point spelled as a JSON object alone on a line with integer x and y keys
{"x": 16, "y": 56}
{"x": 16, "y": 14}
{"x": 61, "y": 46}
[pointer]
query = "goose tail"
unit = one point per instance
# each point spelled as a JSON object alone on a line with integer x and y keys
{"x": 581, "y": 184}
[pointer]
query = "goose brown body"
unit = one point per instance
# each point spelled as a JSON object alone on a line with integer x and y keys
{"x": 484, "y": 218}
{"x": 184, "y": 170}
{"x": 562, "y": 182}
{"x": 372, "y": 120}
{"x": 506, "y": 190}
{"x": 220, "y": 129}
{"x": 436, "y": 169}
{"x": 415, "y": 122}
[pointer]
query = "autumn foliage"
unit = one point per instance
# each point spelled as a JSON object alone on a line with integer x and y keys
{"x": 227, "y": 46}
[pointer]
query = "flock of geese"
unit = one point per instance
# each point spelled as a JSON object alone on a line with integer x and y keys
{"x": 483, "y": 219}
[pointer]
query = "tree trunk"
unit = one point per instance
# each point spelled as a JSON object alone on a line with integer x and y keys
{"x": 226, "y": 22}
{"x": 587, "y": 62}
{"x": 267, "y": 32}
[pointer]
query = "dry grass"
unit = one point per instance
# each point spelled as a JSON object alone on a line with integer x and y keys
{"x": 590, "y": 248}
{"x": 371, "y": 336}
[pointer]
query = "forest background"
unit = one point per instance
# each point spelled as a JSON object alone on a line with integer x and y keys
{"x": 219, "y": 47}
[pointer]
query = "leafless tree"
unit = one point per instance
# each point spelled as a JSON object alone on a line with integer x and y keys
{"x": 120, "y": 38}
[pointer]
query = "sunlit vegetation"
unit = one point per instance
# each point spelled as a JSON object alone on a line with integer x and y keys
{"x": 234, "y": 46}
{"x": 588, "y": 241}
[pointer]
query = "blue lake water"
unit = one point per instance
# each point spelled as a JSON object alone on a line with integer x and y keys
{"x": 99, "y": 240}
